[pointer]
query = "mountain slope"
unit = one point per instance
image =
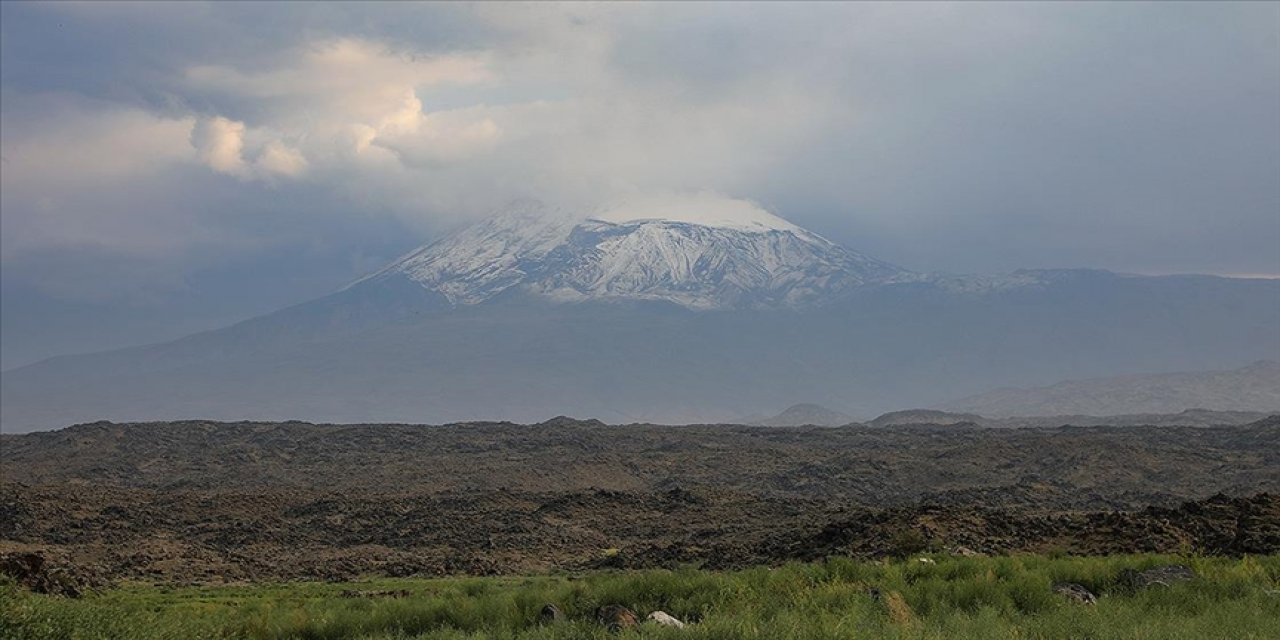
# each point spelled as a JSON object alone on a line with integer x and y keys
{"x": 1252, "y": 388}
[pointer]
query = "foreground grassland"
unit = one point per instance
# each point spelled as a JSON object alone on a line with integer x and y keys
{"x": 1005, "y": 597}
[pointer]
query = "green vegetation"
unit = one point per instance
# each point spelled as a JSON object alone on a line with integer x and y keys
{"x": 1006, "y": 597}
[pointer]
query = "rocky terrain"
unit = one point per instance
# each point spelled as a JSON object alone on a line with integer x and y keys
{"x": 1059, "y": 467}
{"x": 210, "y": 502}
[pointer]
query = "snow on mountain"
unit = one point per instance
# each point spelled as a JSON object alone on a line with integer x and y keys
{"x": 703, "y": 210}
{"x": 485, "y": 259}
{"x": 702, "y": 253}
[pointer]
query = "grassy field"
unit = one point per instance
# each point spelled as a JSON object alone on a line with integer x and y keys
{"x": 1006, "y": 597}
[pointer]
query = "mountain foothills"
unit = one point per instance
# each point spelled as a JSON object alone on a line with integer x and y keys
{"x": 699, "y": 312}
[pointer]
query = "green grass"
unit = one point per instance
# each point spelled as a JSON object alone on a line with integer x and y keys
{"x": 1007, "y": 597}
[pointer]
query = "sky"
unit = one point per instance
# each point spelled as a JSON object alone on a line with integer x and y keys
{"x": 169, "y": 168}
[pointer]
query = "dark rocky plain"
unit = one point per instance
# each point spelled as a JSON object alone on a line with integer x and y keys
{"x": 207, "y": 502}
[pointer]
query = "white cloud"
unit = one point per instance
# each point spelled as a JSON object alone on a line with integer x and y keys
{"x": 349, "y": 105}
{"x": 356, "y": 78}
{"x": 420, "y": 138}
{"x": 278, "y": 159}
{"x": 220, "y": 144}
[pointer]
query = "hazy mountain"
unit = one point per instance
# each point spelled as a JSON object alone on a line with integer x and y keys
{"x": 688, "y": 316}
{"x": 799, "y": 415}
{"x": 1188, "y": 418}
{"x": 926, "y": 416}
{"x": 1252, "y": 388}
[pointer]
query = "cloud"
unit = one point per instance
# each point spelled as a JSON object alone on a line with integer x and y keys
{"x": 278, "y": 159}
{"x": 1064, "y": 134}
{"x": 359, "y": 72}
{"x": 420, "y": 138}
{"x": 66, "y": 160}
{"x": 220, "y": 143}
{"x": 60, "y": 141}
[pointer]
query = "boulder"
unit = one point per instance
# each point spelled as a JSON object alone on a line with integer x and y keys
{"x": 550, "y": 614}
{"x": 615, "y": 617}
{"x": 665, "y": 619}
{"x": 1076, "y": 592}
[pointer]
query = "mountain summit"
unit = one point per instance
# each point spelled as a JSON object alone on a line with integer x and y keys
{"x": 702, "y": 254}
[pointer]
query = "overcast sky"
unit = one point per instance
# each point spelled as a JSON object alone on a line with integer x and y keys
{"x": 169, "y": 168}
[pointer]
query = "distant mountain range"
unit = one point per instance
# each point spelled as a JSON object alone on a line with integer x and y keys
{"x": 694, "y": 314}
{"x": 1252, "y": 388}
{"x": 806, "y": 415}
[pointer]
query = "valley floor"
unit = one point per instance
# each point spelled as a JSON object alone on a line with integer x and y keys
{"x": 941, "y": 597}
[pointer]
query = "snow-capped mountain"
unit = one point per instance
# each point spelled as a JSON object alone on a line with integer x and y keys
{"x": 702, "y": 255}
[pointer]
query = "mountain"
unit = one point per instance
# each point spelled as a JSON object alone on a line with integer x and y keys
{"x": 800, "y": 415}
{"x": 686, "y": 314}
{"x": 926, "y": 416}
{"x": 1252, "y": 388}
{"x": 748, "y": 259}
{"x": 1188, "y": 418}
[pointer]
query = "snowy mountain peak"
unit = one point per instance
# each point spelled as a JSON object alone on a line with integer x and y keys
{"x": 702, "y": 254}
{"x": 702, "y": 210}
